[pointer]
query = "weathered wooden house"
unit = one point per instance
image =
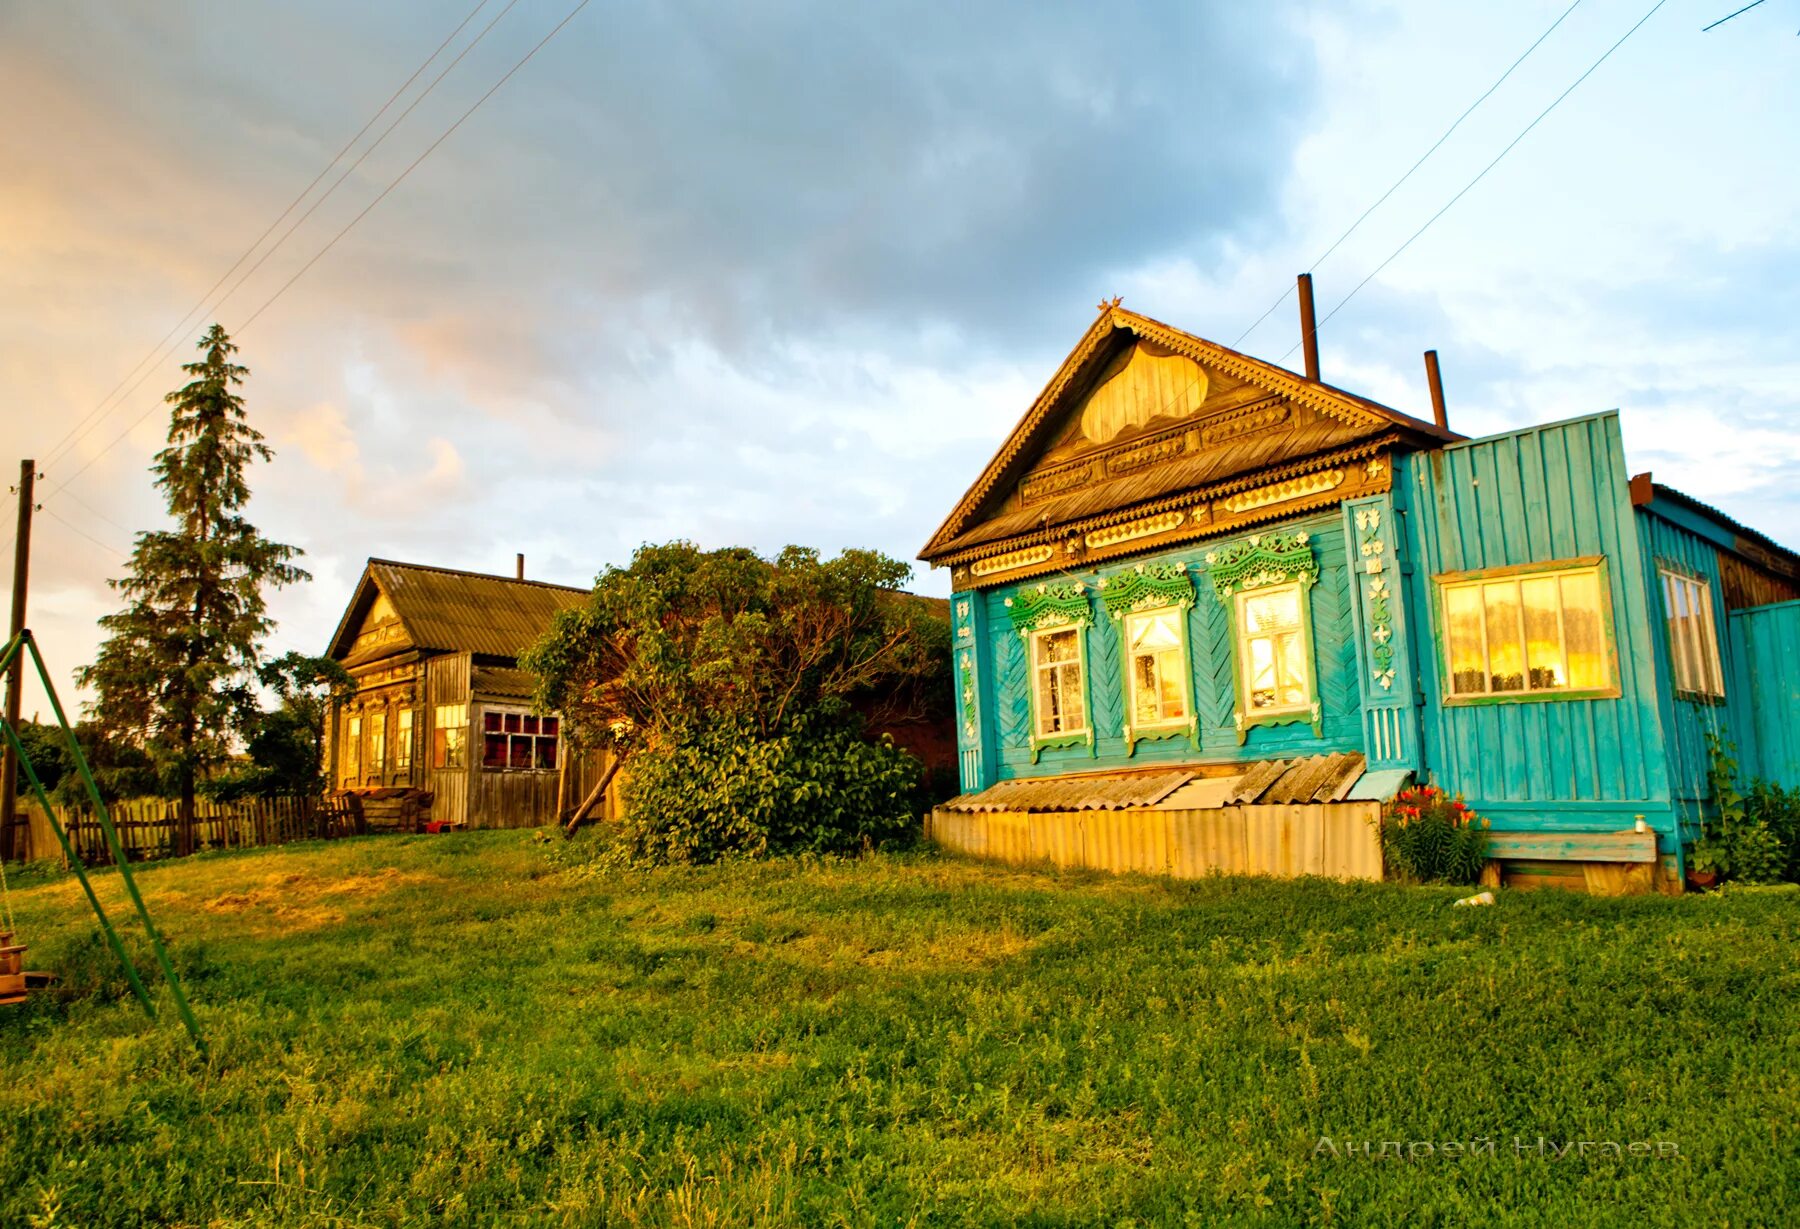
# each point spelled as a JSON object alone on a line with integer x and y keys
{"x": 1208, "y": 613}
{"x": 441, "y": 706}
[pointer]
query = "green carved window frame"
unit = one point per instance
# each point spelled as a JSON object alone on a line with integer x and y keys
{"x": 1038, "y": 613}
{"x": 1262, "y": 564}
{"x": 1147, "y": 590}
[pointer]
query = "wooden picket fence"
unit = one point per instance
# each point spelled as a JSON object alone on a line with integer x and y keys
{"x": 147, "y": 826}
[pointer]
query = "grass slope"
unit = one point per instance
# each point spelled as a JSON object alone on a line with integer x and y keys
{"x": 456, "y": 1029}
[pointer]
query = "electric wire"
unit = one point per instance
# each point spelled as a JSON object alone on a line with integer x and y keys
{"x": 332, "y": 242}
{"x": 1480, "y": 175}
{"x": 151, "y": 356}
{"x": 1395, "y": 186}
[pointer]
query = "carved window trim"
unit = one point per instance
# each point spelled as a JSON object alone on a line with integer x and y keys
{"x": 1038, "y": 613}
{"x": 1257, "y": 564}
{"x": 1148, "y": 590}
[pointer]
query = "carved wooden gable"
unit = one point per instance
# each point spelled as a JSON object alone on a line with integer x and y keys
{"x": 1149, "y": 434}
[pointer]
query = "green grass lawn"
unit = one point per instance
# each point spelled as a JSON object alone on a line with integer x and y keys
{"x": 457, "y": 1029}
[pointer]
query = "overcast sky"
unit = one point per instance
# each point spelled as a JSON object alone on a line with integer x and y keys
{"x": 776, "y": 273}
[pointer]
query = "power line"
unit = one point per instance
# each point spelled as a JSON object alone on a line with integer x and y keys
{"x": 414, "y": 163}
{"x": 332, "y": 242}
{"x": 1392, "y": 256}
{"x": 1729, "y": 16}
{"x": 158, "y": 349}
{"x": 1364, "y": 216}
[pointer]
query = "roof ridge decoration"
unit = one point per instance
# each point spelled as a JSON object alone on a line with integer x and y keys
{"x": 1322, "y": 398}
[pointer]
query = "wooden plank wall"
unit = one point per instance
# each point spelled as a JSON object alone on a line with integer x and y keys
{"x": 1548, "y": 493}
{"x": 1766, "y": 648}
{"x": 146, "y": 827}
{"x": 447, "y": 681}
{"x": 1335, "y": 839}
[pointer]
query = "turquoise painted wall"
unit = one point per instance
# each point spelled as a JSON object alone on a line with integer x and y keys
{"x": 1548, "y": 493}
{"x": 1335, "y": 652}
{"x": 1765, "y": 644}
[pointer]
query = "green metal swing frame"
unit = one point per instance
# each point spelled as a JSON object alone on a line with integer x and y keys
{"x": 26, "y": 643}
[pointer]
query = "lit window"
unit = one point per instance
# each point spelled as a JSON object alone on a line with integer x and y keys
{"x": 1273, "y": 659}
{"x": 1693, "y": 637}
{"x": 1057, "y": 693}
{"x": 449, "y": 735}
{"x": 353, "y": 749}
{"x": 1528, "y": 634}
{"x": 516, "y": 739}
{"x": 403, "y": 742}
{"x": 377, "y": 743}
{"x": 1158, "y": 667}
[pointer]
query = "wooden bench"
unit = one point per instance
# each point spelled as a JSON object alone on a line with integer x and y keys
{"x": 1602, "y": 863}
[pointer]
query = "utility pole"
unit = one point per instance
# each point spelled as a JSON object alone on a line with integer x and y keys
{"x": 10, "y": 844}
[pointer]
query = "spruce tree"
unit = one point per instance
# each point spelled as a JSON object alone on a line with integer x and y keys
{"x": 175, "y": 675}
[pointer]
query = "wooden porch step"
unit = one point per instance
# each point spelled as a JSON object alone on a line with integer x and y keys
{"x": 1627, "y": 846}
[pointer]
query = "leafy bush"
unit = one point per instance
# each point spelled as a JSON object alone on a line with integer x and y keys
{"x": 1750, "y": 838}
{"x": 723, "y": 790}
{"x": 1428, "y": 836}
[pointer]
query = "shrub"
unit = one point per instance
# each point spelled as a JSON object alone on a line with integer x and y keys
{"x": 721, "y": 790}
{"x": 1750, "y": 838}
{"x": 1779, "y": 810}
{"x": 1428, "y": 836}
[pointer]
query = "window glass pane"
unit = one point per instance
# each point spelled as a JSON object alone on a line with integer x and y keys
{"x": 521, "y": 751}
{"x": 493, "y": 751}
{"x": 1505, "y": 645}
{"x": 1144, "y": 689}
{"x": 1073, "y": 716}
{"x": 1709, "y": 639}
{"x": 1468, "y": 670}
{"x": 1582, "y": 638}
{"x": 530, "y": 724}
{"x": 512, "y": 722}
{"x": 1171, "y": 693}
{"x": 490, "y": 722}
{"x": 546, "y": 752}
{"x": 1271, "y": 610}
{"x": 552, "y": 726}
{"x": 1543, "y": 634}
{"x": 1293, "y": 670}
{"x": 1262, "y": 673}
{"x": 454, "y": 743}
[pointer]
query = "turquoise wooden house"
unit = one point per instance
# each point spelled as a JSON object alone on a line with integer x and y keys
{"x": 1209, "y": 613}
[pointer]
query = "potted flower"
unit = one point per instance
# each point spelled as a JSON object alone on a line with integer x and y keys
{"x": 1706, "y": 862}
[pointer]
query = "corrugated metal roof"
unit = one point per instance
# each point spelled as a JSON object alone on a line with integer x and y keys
{"x": 1307, "y": 778}
{"x": 456, "y": 612}
{"x": 502, "y": 683}
{"x": 1095, "y": 793}
{"x": 1304, "y": 779}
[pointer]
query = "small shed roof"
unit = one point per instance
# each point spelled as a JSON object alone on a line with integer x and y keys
{"x": 1303, "y": 779}
{"x": 445, "y": 610}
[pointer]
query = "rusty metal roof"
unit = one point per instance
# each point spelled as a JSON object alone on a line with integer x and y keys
{"x": 444, "y": 610}
{"x": 1304, "y": 779}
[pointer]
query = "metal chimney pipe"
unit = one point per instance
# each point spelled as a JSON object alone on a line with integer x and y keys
{"x": 521, "y": 566}
{"x": 1309, "y": 329}
{"x": 1435, "y": 379}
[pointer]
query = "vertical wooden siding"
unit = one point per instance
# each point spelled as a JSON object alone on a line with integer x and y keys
{"x": 1553, "y": 492}
{"x": 1335, "y": 839}
{"x": 1766, "y": 648}
{"x": 1334, "y": 645}
{"x": 447, "y": 681}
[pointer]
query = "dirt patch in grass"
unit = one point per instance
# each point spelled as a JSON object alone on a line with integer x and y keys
{"x": 295, "y": 901}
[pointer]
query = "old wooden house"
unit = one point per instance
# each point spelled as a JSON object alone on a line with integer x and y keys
{"x": 441, "y": 707}
{"x": 1209, "y": 613}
